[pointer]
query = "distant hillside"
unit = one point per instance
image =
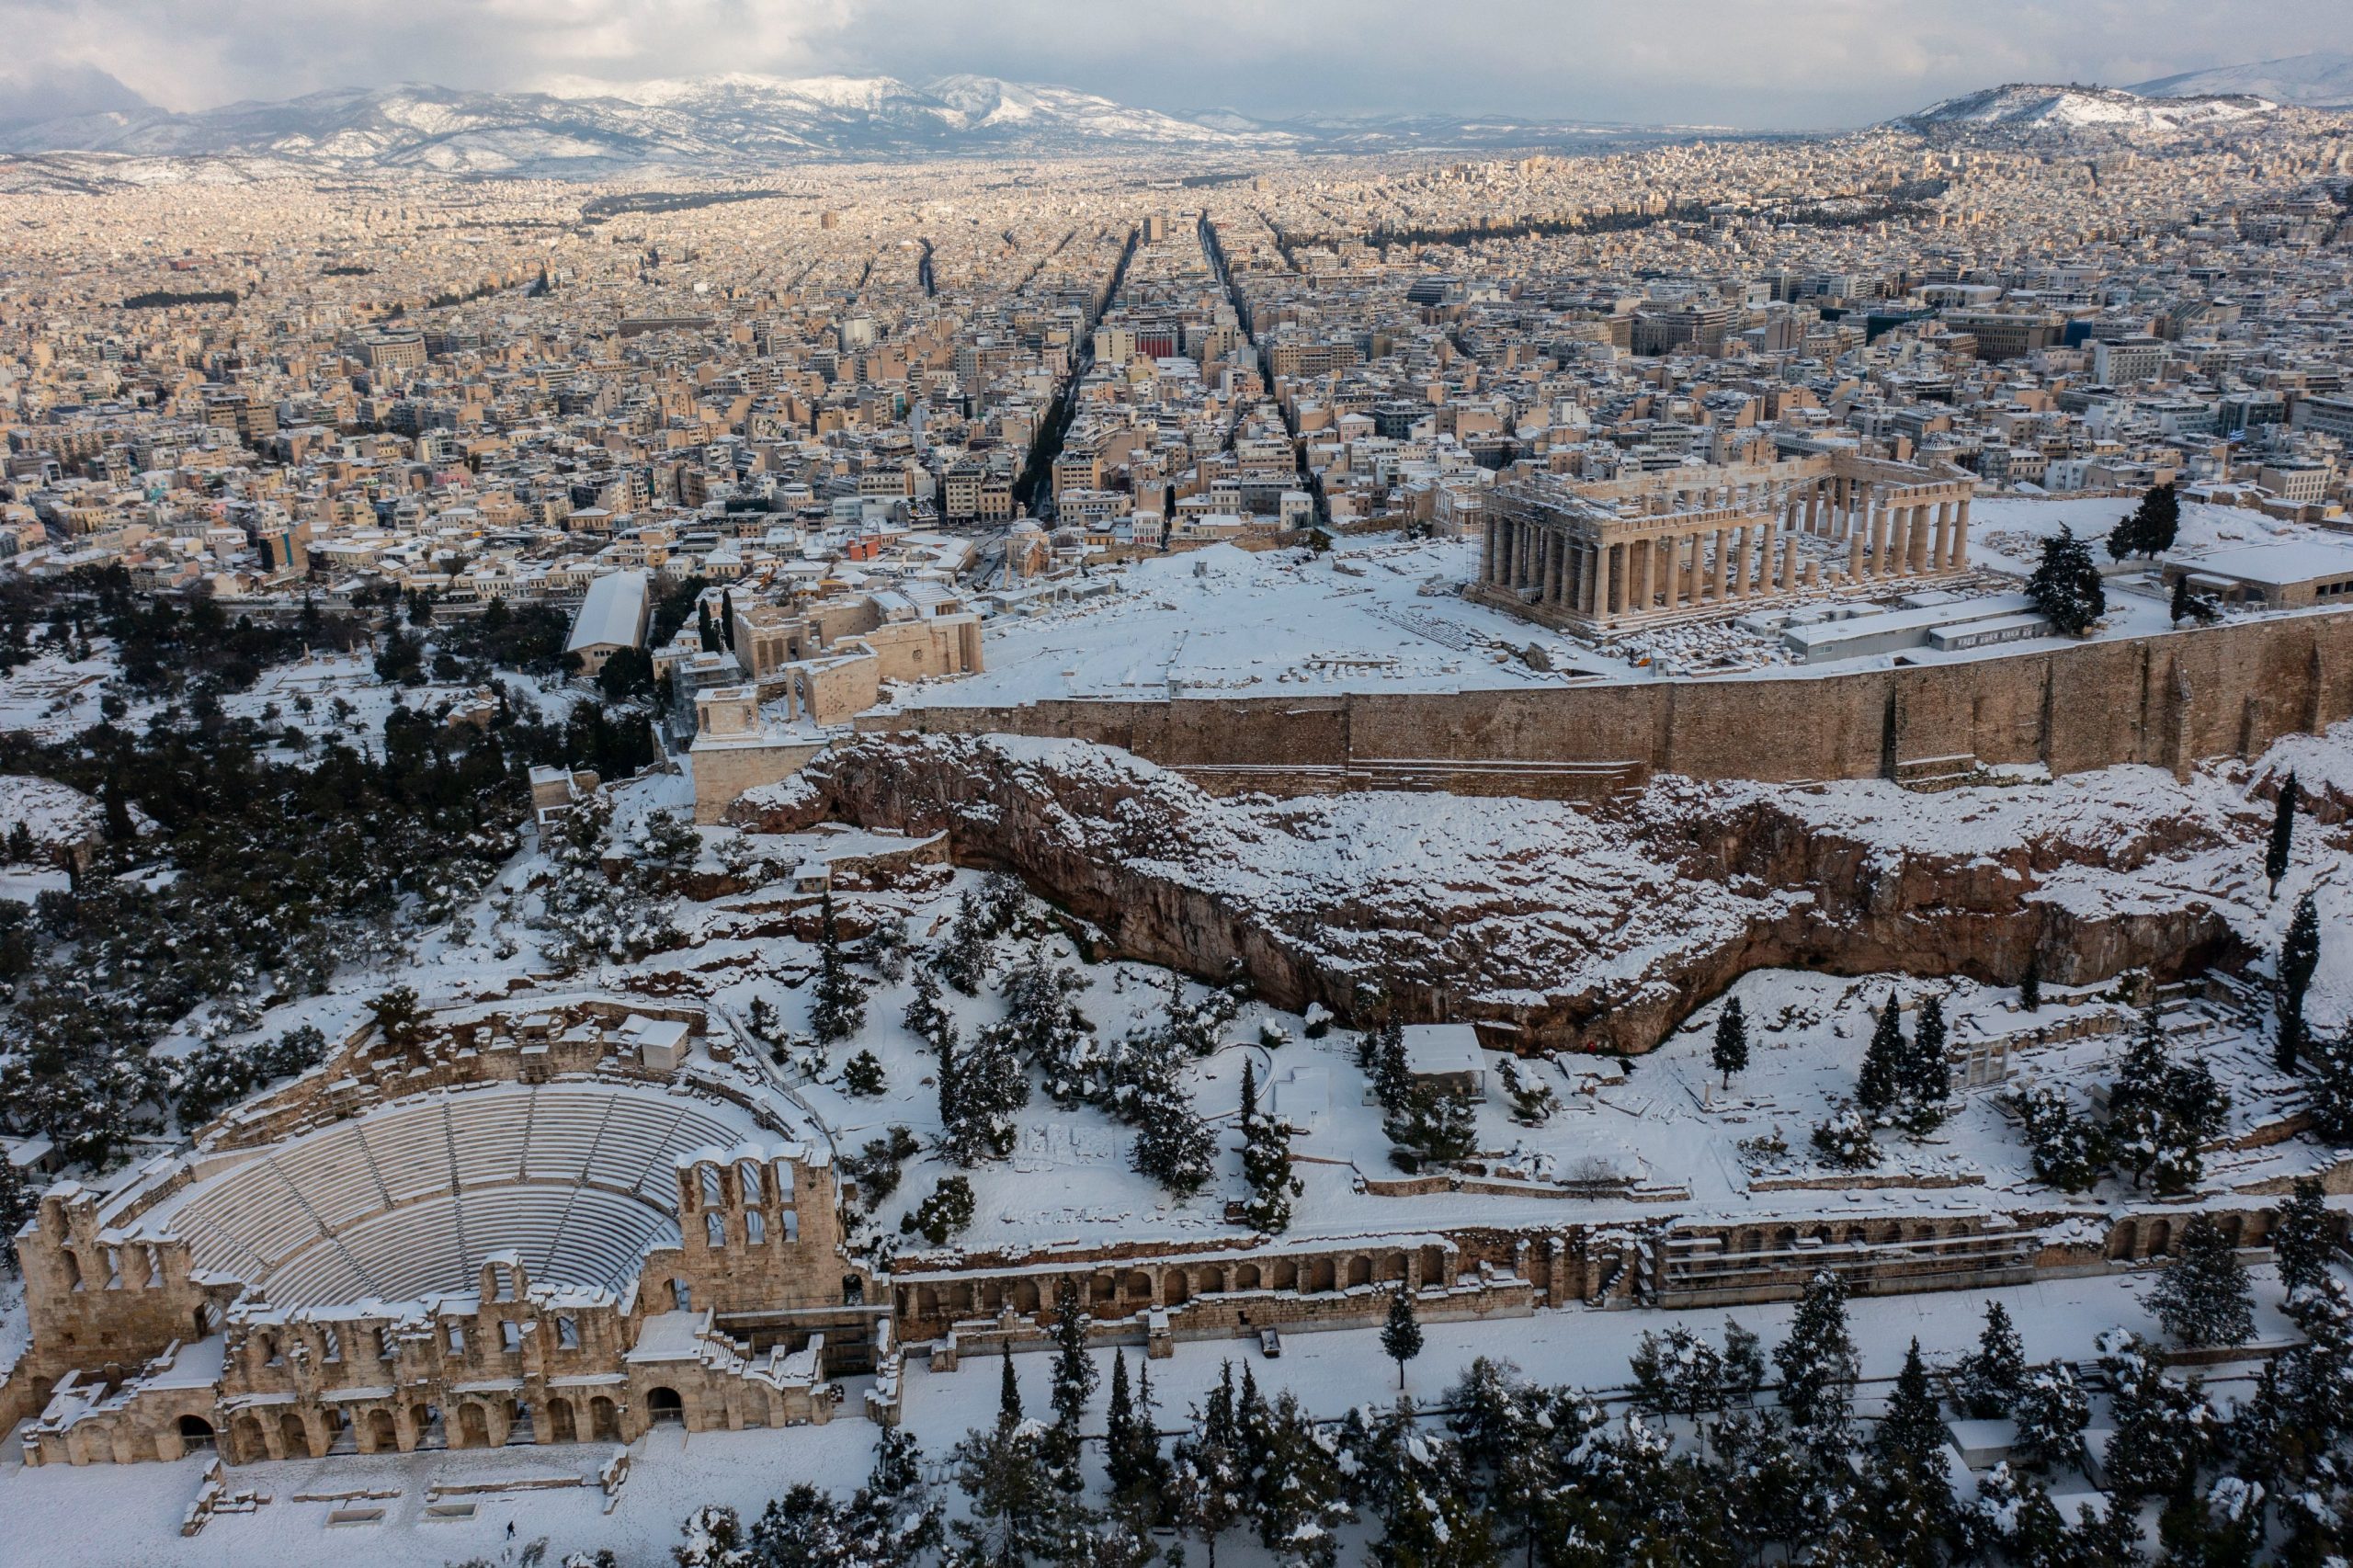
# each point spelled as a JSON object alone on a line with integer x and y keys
{"x": 2315, "y": 81}
{"x": 2042, "y": 107}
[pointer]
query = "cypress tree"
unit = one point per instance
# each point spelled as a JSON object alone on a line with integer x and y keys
{"x": 2298, "y": 956}
{"x": 1731, "y": 1052}
{"x": 1928, "y": 1076}
{"x": 2030, "y": 983}
{"x": 1074, "y": 1382}
{"x": 2283, "y": 834}
{"x": 1986, "y": 1383}
{"x": 1401, "y": 1338}
{"x": 1883, "y": 1075}
{"x": 727, "y": 618}
{"x": 1266, "y": 1162}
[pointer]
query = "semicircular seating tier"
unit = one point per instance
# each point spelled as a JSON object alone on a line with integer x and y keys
{"x": 405, "y": 1200}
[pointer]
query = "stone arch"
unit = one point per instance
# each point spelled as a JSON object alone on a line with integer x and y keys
{"x": 383, "y": 1432}
{"x": 563, "y": 1426}
{"x": 1136, "y": 1285}
{"x": 2122, "y": 1239}
{"x": 604, "y": 1420}
{"x": 294, "y": 1435}
{"x": 749, "y": 1183}
{"x": 197, "y": 1435}
{"x": 522, "y": 1426}
{"x": 1246, "y": 1278}
{"x": 1283, "y": 1275}
{"x": 1360, "y": 1270}
{"x": 2231, "y": 1226}
{"x": 425, "y": 1419}
{"x": 1175, "y": 1288}
{"x": 1025, "y": 1297}
{"x": 711, "y": 1187}
{"x": 714, "y": 1230}
{"x": 473, "y": 1426}
{"x": 662, "y": 1405}
{"x": 2160, "y": 1238}
{"x": 1433, "y": 1266}
{"x": 1322, "y": 1274}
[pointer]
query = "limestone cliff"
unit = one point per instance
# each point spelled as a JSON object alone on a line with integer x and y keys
{"x": 1555, "y": 925}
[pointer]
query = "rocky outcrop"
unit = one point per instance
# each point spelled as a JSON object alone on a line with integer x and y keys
{"x": 1552, "y": 925}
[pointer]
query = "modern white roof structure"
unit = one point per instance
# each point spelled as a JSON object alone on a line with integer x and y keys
{"x": 612, "y": 616}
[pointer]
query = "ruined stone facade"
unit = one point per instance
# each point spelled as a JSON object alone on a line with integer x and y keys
{"x": 1682, "y": 543}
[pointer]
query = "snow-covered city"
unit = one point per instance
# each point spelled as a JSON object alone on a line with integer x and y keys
{"x": 840, "y": 786}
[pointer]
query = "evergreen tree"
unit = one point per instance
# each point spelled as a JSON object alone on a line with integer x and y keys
{"x": 862, "y": 1075}
{"x": 1927, "y": 1078}
{"x": 2298, "y": 956}
{"x": 946, "y": 1213}
{"x": 2066, "y": 587}
{"x": 1883, "y": 1081}
{"x": 1073, "y": 1382}
{"x": 2179, "y": 609}
{"x": 1209, "y": 1491}
{"x": 1174, "y": 1146}
{"x": 1434, "y": 1126}
{"x": 1532, "y": 1102}
{"x": 1986, "y": 1385}
{"x": 1300, "y": 1501}
{"x": 1266, "y": 1162}
{"x": 2052, "y": 1413}
{"x": 2302, "y": 1237}
{"x": 963, "y": 962}
{"x": 1679, "y": 1374}
{"x": 1906, "y": 1492}
{"x": 925, "y": 1018}
{"x": 2030, "y": 982}
{"x": 1401, "y": 1338}
{"x": 1381, "y": 1053}
{"x": 1015, "y": 1514}
{"x": 2162, "y": 1111}
{"x": 1845, "y": 1141}
{"x": 2331, "y": 1089}
{"x": 727, "y": 617}
{"x": 704, "y": 632}
{"x": 1131, "y": 1448}
{"x": 20, "y": 845}
{"x": 1731, "y": 1053}
{"x": 2162, "y": 1430}
{"x": 1413, "y": 1481}
{"x": 2276, "y": 852}
{"x": 2202, "y": 1298}
{"x": 1819, "y": 1368}
{"x": 838, "y": 1010}
{"x": 2160, "y": 518}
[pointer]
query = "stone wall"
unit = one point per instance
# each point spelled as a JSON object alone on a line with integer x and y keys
{"x": 2165, "y": 701}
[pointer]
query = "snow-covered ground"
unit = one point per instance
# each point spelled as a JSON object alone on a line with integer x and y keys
{"x": 673, "y": 1473}
{"x": 1379, "y": 613}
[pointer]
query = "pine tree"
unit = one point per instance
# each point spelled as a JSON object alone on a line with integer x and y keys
{"x": 1300, "y": 1500}
{"x": 2180, "y": 607}
{"x": 1129, "y": 1451}
{"x": 838, "y": 1010}
{"x": 1433, "y": 1127}
{"x": 1907, "y": 1490}
{"x": 2160, "y": 519}
{"x": 2162, "y": 1430}
{"x": 20, "y": 845}
{"x": 2331, "y": 1090}
{"x": 1016, "y": 1513}
{"x": 1207, "y": 1489}
{"x": 2030, "y": 983}
{"x": 894, "y": 1518}
{"x": 1883, "y": 1081}
{"x": 2066, "y": 587}
{"x": 2302, "y": 1237}
{"x": 1266, "y": 1162}
{"x": 925, "y": 1018}
{"x": 1174, "y": 1146}
{"x": 1731, "y": 1053}
{"x": 2202, "y": 1298}
{"x": 727, "y": 617}
{"x": 1928, "y": 1077}
{"x": 2052, "y": 1413}
{"x": 1986, "y": 1385}
{"x": 862, "y": 1075}
{"x": 1532, "y": 1102}
{"x": 1819, "y": 1368}
{"x": 2299, "y": 958}
{"x": 704, "y": 632}
{"x": 2277, "y": 853}
{"x": 1401, "y": 1338}
{"x": 963, "y": 962}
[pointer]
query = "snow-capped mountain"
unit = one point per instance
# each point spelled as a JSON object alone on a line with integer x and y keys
{"x": 578, "y": 127}
{"x": 2041, "y": 108}
{"x": 2315, "y": 81}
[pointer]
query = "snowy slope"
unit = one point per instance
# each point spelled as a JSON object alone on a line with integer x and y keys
{"x": 2035, "y": 107}
{"x": 2315, "y": 81}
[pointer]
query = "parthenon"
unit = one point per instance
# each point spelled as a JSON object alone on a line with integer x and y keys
{"x": 1692, "y": 543}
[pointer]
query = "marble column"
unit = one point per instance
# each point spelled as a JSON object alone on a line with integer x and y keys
{"x": 1959, "y": 558}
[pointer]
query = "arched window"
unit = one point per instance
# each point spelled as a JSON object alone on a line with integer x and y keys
{"x": 386, "y": 1346}
{"x": 712, "y": 1192}
{"x": 747, "y": 1181}
{"x": 331, "y": 1342}
{"x": 755, "y": 1227}
{"x": 714, "y": 1230}
{"x": 682, "y": 1296}
{"x": 567, "y": 1333}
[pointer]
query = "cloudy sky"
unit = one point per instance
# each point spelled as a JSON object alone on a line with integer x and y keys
{"x": 1760, "y": 64}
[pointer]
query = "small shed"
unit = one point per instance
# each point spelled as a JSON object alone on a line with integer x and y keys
{"x": 1448, "y": 1057}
